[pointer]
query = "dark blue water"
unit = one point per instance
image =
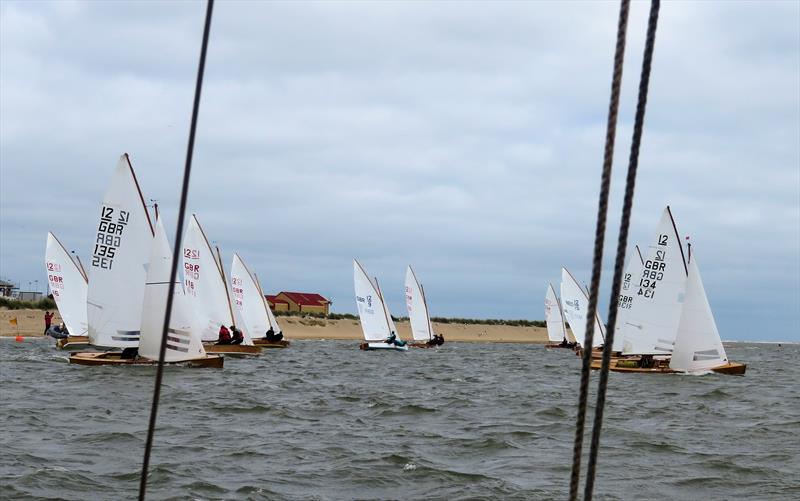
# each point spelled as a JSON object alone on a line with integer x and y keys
{"x": 323, "y": 420}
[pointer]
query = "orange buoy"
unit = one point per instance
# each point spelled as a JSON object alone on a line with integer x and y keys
{"x": 19, "y": 339}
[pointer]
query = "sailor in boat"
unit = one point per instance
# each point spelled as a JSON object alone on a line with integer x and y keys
{"x": 224, "y": 335}
{"x": 272, "y": 337}
{"x": 436, "y": 340}
{"x": 58, "y": 332}
{"x": 238, "y": 337}
{"x": 392, "y": 339}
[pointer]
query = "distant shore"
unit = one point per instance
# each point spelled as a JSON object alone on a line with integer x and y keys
{"x": 30, "y": 322}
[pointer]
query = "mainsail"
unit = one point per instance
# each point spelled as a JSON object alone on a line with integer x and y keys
{"x": 575, "y": 303}
{"x": 249, "y": 301}
{"x": 417, "y": 306}
{"x": 182, "y": 343}
{"x": 376, "y": 322}
{"x": 68, "y": 285}
{"x": 631, "y": 277}
{"x": 119, "y": 261}
{"x": 655, "y": 311}
{"x": 204, "y": 284}
{"x": 698, "y": 346}
{"x": 556, "y": 331}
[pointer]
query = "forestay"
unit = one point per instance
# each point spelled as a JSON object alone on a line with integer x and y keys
{"x": 118, "y": 267}
{"x": 249, "y": 301}
{"x": 698, "y": 346}
{"x": 631, "y": 276}
{"x": 417, "y": 306}
{"x": 655, "y": 311}
{"x": 556, "y": 331}
{"x": 575, "y": 303}
{"x": 182, "y": 343}
{"x": 376, "y": 322}
{"x": 204, "y": 284}
{"x": 68, "y": 285}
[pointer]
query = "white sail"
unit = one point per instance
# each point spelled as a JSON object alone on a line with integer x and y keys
{"x": 417, "y": 306}
{"x": 182, "y": 342}
{"x": 575, "y": 303}
{"x": 698, "y": 346}
{"x": 556, "y": 331}
{"x": 68, "y": 285}
{"x": 273, "y": 322}
{"x": 631, "y": 276}
{"x": 652, "y": 321}
{"x": 118, "y": 267}
{"x": 249, "y": 301}
{"x": 204, "y": 284}
{"x": 376, "y": 323}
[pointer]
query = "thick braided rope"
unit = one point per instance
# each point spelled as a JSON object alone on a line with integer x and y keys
{"x": 622, "y": 244}
{"x": 602, "y": 209}
{"x": 176, "y": 254}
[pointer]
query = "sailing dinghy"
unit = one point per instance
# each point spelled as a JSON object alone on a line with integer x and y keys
{"x": 183, "y": 346}
{"x": 418, "y": 315}
{"x": 68, "y": 285}
{"x": 575, "y": 303}
{"x": 554, "y": 317}
{"x": 251, "y": 304}
{"x": 376, "y": 322}
{"x": 207, "y": 292}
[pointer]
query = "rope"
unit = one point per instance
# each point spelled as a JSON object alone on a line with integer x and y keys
{"x": 622, "y": 244}
{"x": 176, "y": 251}
{"x": 602, "y": 209}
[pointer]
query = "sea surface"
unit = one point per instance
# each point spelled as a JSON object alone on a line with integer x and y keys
{"x": 323, "y": 420}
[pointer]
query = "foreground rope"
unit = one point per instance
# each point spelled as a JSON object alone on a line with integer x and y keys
{"x": 599, "y": 238}
{"x": 622, "y": 244}
{"x": 176, "y": 254}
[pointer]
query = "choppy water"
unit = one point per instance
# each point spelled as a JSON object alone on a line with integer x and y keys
{"x": 323, "y": 420}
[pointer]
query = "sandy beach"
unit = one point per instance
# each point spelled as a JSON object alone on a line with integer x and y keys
{"x": 31, "y": 323}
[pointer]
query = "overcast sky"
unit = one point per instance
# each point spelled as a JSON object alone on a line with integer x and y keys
{"x": 463, "y": 138}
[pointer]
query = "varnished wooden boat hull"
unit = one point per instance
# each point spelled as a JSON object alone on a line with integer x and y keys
{"x": 115, "y": 358}
{"x": 232, "y": 349}
{"x": 422, "y": 345}
{"x": 72, "y": 343}
{"x": 732, "y": 368}
{"x": 263, "y": 343}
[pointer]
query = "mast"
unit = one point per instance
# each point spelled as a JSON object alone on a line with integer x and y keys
{"x": 383, "y": 305}
{"x": 83, "y": 270}
{"x": 263, "y": 299}
{"x": 141, "y": 197}
{"x": 225, "y": 283}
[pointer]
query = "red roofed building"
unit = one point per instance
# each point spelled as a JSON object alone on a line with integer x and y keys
{"x": 302, "y": 302}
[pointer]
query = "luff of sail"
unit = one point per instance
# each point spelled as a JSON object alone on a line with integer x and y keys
{"x": 417, "y": 306}
{"x": 652, "y": 322}
{"x": 183, "y": 343}
{"x": 203, "y": 284}
{"x": 556, "y": 330}
{"x": 68, "y": 285}
{"x": 371, "y": 310}
{"x": 698, "y": 346}
{"x": 119, "y": 259}
{"x": 575, "y": 304}
{"x": 631, "y": 277}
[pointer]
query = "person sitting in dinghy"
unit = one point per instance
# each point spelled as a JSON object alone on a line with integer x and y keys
{"x": 272, "y": 337}
{"x": 392, "y": 339}
{"x": 57, "y": 332}
{"x": 224, "y": 335}
{"x": 238, "y": 337}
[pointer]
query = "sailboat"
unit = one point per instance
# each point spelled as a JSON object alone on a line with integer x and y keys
{"x": 575, "y": 303}
{"x": 183, "y": 343}
{"x": 251, "y": 304}
{"x": 68, "y": 285}
{"x": 698, "y": 347}
{"x": 207, "y": 292}
{"x": 376, "y": 322}
{"x": 418, "y": 315}
{"x": 631, "y": 277}
{"x": 118, "y": 267}
{"x": 554, "y": 318}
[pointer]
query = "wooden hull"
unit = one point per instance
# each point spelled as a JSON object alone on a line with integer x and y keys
{"x": 628, "y": 365}
{"x": 72, "y": 343}
{"x": 115, "y": 358}
{"x": 232, "y": 349}
{"x": 263, "y": 343}
{"x": 381, "y": 346}
{"x": 422, "y": 345}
